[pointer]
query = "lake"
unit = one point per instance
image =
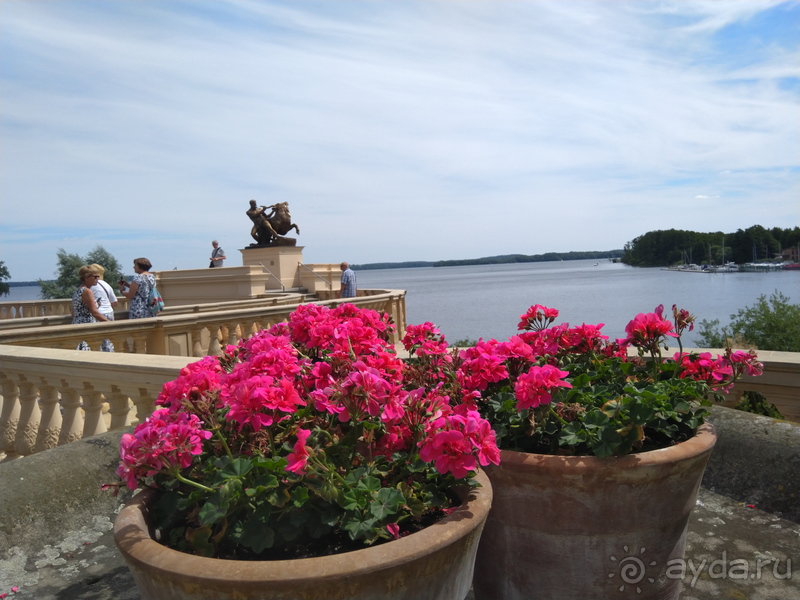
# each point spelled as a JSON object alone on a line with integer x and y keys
{"x": 21, "y": 293}
{"x": 486, "y": 300}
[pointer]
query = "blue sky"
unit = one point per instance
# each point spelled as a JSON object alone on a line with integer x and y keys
{"x": 395, "y": 130}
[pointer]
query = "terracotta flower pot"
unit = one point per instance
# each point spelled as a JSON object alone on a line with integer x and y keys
{"x": 586, "y": 527}
{"x": 434, "y": 563}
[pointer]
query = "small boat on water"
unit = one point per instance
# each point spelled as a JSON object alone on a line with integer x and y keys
{"x": 791, "y": 266}
{"x": 690, "y": 268}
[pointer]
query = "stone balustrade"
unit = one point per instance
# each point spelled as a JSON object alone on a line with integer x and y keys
{"x": 43, "y": 308}
{"x": 53, "y": 394}
{"x": 192, "y": 330}
{"x": 53, "y": 397}
{"x": 267, "y": 299}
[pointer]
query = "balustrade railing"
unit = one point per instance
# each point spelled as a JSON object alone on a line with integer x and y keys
{"x": 191, "y": 331}
{"x": 53, "y": 394}
{"x": 43, "y": 308}
{"x": 53, "y": 397}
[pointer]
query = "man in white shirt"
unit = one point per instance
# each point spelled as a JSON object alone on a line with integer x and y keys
{"x": 217, "y": 255}
{"x": 106, "y": 301}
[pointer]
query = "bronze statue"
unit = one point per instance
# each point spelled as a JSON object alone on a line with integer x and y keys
{"x": 270, "y": 229}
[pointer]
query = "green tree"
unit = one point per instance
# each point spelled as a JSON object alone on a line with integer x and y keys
{"x": 3, "y": 276}
{"x": 67, "y": 280}
{"x": 772, "y": 324}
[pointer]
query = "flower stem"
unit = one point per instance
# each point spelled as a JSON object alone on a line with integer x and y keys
{"x": 199, "y": 486}
{"x": 224, "y": 443}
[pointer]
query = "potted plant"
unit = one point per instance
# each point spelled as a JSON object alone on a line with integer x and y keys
{"x": 309, "y": 461}
{"x": 602, "y": 454}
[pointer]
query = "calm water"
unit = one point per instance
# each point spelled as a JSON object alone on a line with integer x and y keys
{"x": 18, "y": 294}
{"x": 486, "y": 301}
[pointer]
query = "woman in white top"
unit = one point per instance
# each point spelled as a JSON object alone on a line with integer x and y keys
{"x": 107, "y": 300}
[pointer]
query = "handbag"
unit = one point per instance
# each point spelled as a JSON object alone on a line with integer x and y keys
{"x": 211, "y": 264}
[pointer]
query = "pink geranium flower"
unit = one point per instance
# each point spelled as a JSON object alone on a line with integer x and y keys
{"x": 299, "y": 457}
{"x": 646, "y": 330}
{"x": 533, "y": 388}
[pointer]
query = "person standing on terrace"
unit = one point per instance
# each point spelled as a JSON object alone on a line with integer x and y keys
{"x": 349, "y": 288}
{"x": 84, "y": 304}
{"x": 106, "y": 301}
{"x": 138, "y": 290}
{"x": 217, "y": 255}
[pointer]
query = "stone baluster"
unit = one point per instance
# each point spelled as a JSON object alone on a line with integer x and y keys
{"x": 93, "y": 411}
{"x": 139, "y": 342}
{"x": 233, "y": 332}
{"x": 29, "y": 417}
{"x": 118, "y": 340}
{"x": 9, "y": 418}
{"x": 197, "y": 341}
{"x": 144, "y": 400}
{"x": 214, "y": 347}
{"x": 50, "y": 425}
{"x": 119, "y": 408}
{"x": 72, "y": 424}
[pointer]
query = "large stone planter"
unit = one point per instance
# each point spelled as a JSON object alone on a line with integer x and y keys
{"x": 585, "y": 527}
{"x": 435, "y": 563}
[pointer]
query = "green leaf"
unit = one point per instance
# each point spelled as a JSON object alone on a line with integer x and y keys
{"x": 238, "y": 468}
{"x": 299, "y": 496}
{"x": 358, "y": 526}
{"x": 356, "y": 474}
{"x": 257, "y": 535}
{"x": 372, "y": 484}
{"x": 200, "y": 541}
{"x": 387, "y": 503}
{"x": 352, "y": 500}
{"x": 213, "y": 510}
{"x": 595, "y": 418}
{"x": 275, "y": 465}
{"x": 416, "y": 506}
{"x": 572, "y": 435}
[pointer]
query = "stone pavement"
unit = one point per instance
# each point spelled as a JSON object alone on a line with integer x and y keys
{"x": 56, "y": 540}
{"x": 86, "y": 565}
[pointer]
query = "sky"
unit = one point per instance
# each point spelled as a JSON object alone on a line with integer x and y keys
{"x": 396, "y": 131}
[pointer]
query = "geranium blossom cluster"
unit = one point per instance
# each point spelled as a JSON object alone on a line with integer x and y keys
{"x": 166, "y": 441}
{"x": 323, "y": 370}
{"x": 530, "y": 361}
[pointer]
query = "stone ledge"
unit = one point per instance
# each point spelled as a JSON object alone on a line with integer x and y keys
{"x": 756, "y": 460}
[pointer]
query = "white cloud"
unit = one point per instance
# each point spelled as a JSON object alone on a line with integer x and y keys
{"x": 396, "y": 131}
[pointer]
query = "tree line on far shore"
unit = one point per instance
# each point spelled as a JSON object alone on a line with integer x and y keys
{"x": 494, "y": 260}
{"x": 676, "y": 246}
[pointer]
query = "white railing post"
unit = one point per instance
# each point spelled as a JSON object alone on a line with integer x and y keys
{"x": 72, "y": 422}
{"x": 9, "y": 419}
{"x": 29, "y": 417}
{"x": 93, "y": 411}
{"x": 51, "y": 420}
{"x": 119, "y": 408}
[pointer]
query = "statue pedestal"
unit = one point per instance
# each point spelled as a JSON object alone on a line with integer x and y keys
{"x": 281, "y": 261}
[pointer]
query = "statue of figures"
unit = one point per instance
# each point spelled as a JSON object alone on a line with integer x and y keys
{"x": 269, "y": 229}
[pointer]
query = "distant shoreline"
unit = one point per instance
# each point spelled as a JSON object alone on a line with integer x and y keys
{"x": 493, "y": 260}
{"x": 21, "y": 283}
